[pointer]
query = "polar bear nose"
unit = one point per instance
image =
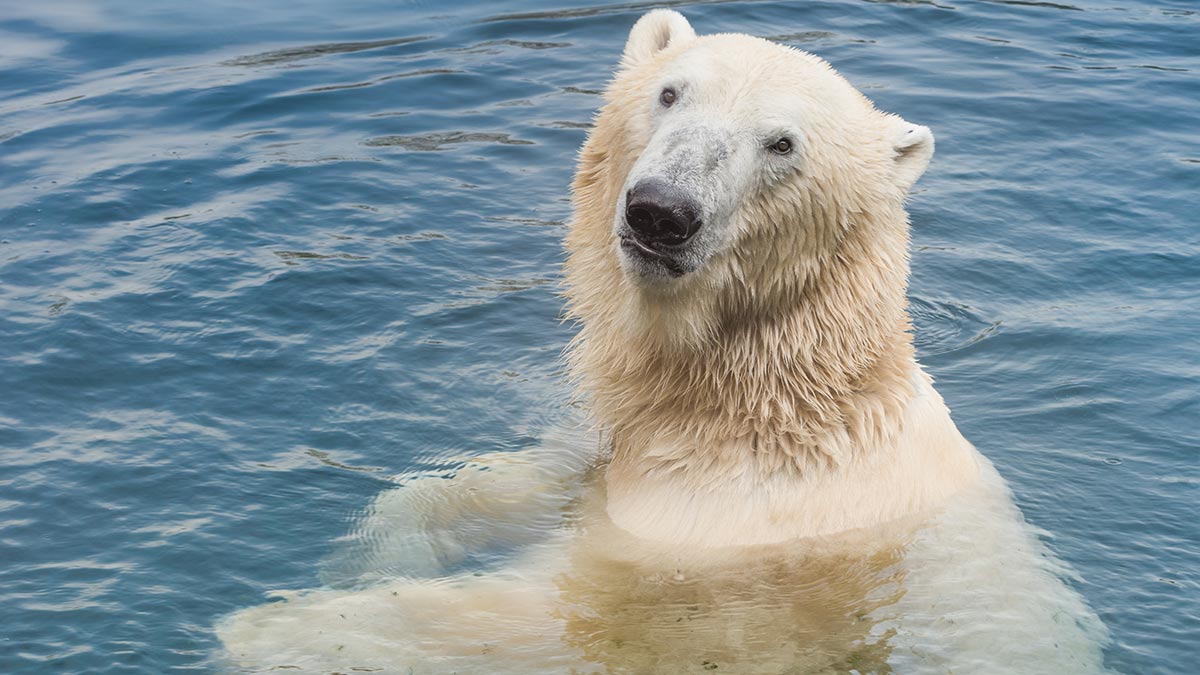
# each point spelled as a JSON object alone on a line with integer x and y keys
{"x": 659, "y": 213}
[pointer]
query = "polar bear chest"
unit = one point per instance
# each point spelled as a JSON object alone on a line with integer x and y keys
{"x": 928, "y": 462}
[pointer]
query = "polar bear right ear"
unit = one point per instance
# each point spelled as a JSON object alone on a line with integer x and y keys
{"x": 913, "y": 147}
{"x": 654, "y": 32}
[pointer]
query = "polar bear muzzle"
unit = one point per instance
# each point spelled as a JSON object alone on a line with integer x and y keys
{"x": 659, "y": 218}
{"x": 676, "y": 206}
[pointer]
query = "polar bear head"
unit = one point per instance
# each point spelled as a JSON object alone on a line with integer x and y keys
{"x": 730, "y": 156}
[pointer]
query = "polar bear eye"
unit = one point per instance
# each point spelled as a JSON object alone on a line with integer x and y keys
{"x": 667, "y": 97}
{"x": 781, "y": 147}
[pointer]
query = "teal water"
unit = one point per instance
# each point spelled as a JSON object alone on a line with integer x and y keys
{"x": 254, "y": 260}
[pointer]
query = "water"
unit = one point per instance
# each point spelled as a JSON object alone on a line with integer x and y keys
{"x": 256, "y": 260}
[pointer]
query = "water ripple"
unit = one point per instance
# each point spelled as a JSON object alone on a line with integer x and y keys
{"x": 313, "y": 51}
{"x": 438, "y": 141}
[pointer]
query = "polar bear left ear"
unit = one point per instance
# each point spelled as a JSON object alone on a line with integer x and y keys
{"x": 913, "y": 147}
{"x": 654, "y": 32}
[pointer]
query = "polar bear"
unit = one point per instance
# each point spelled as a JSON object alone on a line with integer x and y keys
{"x": 773, "y": 486}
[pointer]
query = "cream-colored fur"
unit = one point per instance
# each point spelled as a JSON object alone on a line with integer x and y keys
{"x": 784, "y": 491}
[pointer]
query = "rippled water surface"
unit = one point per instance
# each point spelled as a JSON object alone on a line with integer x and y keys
{"x": 255, "y": 258}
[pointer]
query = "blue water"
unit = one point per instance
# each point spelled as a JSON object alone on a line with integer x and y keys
{"x": 255, "y": 258}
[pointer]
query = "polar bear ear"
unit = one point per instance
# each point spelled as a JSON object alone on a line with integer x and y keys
{"x": 912, "y": 145}
{"x": 654, "y": 32}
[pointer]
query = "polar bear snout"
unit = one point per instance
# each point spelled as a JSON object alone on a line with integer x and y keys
{"x": 659, "y": 214}
{"x": 656, "y": 226}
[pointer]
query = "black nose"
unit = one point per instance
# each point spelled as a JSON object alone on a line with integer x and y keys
{"x": 660, "y": 213}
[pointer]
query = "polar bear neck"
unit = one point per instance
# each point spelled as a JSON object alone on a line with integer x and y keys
{"x": 802, "y": 383}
